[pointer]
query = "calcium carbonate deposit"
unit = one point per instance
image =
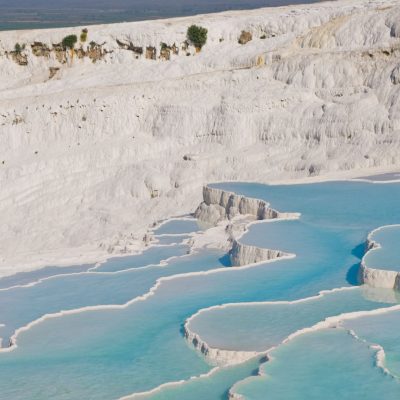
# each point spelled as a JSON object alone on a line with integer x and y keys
{"x": 215, "y": 223}
{"x": 97, "y": 145}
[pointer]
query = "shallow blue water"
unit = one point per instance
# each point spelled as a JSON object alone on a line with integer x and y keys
{"x": 20, "y": 305}
{"x": 383, "y": 330}
{"x": 151, "y": 256}
{"x": 24, "y": 278}
{"x": 263, "y": 326}
{"x": 109, "y": 353}
{"x": 329, "y": 364}
{"x": 170, "y": 239}
{"x": 347, "y": 205}
{"x": 207, "y": 387}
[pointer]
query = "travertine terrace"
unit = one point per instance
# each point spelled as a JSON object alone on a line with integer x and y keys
{"x": 97, "y": 144}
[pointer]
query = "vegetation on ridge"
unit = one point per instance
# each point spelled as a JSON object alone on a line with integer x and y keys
{"x": 69, "y": 42}
{"x": 19, "y": 48}
{"x": 83, "y": 36}
{"x": 197, "y": 35}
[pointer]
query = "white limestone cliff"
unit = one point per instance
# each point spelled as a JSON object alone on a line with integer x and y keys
{"x": 377, "y": 277}
{"x": 242, "y": 254}
{"x": 93, "y": 155}
{"x": 219, "y": 204}
{"x": 214, "y": 356}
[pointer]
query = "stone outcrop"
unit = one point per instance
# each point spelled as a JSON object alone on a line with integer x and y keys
{"x": 151, "y": 53}
{"x": 19, "y": 58}
{"x": 219, "y": 205}
{"x": 377, "y": 277}
{"x": 40, "y": 49}
{"x": 216, "y": 356}
{"x": 165, "y": 53}
{"x": 245, "y": 37}
{"x": 60, "y": 53}
{"x": 130, "y": 46}
{"x": 242, "y": 254}
{"x": 96, "y": 52}
{"x": 53, "y": 71}
{"x": 395, "y": 75}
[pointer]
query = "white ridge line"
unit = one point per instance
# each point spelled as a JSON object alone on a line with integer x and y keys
{"x": 169, "y": 384}
{"x": 143, "y": 297}
{"x": 94, "y": 272}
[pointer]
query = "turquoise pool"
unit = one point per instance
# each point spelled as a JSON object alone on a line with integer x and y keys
{"x": 133, "y": 341}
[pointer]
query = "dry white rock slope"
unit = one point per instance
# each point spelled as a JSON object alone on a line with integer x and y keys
{"x": 92, "y": 156}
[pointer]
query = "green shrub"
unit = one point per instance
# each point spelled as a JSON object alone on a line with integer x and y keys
{"x": 69, "y": 42}
{"x": 263, "y": 36}
{"x": 197, "y": 35}
{"x": 83, "y": 35}
{"x": 18, "y": 48}
{"x": 163, "y": 46}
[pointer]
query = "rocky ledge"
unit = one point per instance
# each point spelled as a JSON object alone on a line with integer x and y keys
{"x": 377, "y": 277}
{"x": 219, "y": 204}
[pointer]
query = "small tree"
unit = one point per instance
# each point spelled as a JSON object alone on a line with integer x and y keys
{"x": 83, "y": 35}
{"x": 197, "y": 35}
{"x": 69, "y": 42}
{"x": 19, "y": 48}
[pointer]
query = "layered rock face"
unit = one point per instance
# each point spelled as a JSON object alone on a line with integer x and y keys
{"x": 216, "y": 356}
{"x": 242, "y": 254}
{"x": 92, "y": 156}
{"x": 219, "y": 205}
{"x": 377, "y": 277}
